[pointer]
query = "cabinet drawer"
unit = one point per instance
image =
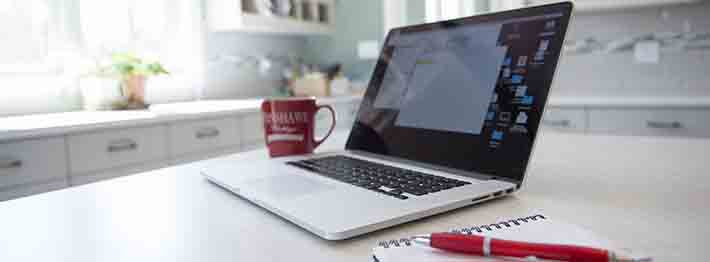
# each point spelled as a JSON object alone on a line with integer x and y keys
{"x": 108, "y": 149}
{"x": 565, "y": 119}
{"x": 32, "y": 161}
{"x": 252, "y": 129}
{"x": 671, "y": 122}
{"x": 204, "y": 135}
{"x": 32, "y": 189}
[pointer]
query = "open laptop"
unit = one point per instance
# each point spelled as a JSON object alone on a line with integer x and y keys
{"x": 449, "y": 120}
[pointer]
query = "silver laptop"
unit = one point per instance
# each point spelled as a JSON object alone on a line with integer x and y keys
{"x": 449, "y": 120}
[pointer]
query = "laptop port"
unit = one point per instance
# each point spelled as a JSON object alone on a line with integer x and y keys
{"x": 480, "y": 198}
{"x": 510, "y": 191}
{"x": 497, "y": 194}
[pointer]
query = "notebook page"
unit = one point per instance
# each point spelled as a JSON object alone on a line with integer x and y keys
{"x": 545, "y": 231}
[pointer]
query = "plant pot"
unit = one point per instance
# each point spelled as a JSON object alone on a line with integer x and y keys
{"x": 100, "y": 93}
{"x": 134, "y": 90}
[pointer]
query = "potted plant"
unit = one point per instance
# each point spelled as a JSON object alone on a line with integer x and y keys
{"x": 133, "y": 72}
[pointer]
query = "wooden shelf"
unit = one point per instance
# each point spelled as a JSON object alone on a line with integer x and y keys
{"x": 273, "y": 24}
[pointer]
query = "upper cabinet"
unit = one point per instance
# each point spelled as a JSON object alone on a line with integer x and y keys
{"x": 303, "y": 17}
{"x": 598, "y": 5}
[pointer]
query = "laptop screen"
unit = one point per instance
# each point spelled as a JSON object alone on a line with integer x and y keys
{"x": 465, "y": 94}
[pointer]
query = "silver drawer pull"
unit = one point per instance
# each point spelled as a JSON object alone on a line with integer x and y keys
{"x": 558, "y": 123}
{"x": 664, "y": 125}
{"x": 207, "y": 132}
{"x": 10, "y": 164}
{"x": 122, "y": 145}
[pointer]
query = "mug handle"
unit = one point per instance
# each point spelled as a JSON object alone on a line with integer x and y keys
{"x": 332, "y": 126}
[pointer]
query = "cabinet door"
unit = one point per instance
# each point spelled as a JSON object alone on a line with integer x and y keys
{"x": 652, "y": 121}
{"x": 91, "y": 152}
{"x": 203, "y": 135}
{"x": 32, "y": 161}
{"x": 252, "y": 127}
{"x": 32, "y": 189}
{"x": 566, "y": 119}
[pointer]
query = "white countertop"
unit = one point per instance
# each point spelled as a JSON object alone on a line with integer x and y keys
{"x": 647, "y": 194}
{"x": 42, "y": 125}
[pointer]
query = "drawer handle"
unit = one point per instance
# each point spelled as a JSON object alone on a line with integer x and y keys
{"x": 558, "y": 123}
{"x": 122, "y": 145}
{"x": 10, "y": 164}
{"x": 207, "y": 132}
{"x": 664, "y": 125}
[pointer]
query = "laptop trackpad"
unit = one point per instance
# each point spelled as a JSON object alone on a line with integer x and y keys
{"x": 286, "y": 186}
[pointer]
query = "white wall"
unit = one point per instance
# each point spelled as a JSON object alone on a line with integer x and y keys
{"x": 355, "y": 21}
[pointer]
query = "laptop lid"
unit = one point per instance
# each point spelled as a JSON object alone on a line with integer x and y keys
{"x": 465, "y": 94}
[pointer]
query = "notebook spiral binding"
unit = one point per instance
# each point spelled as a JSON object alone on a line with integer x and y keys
{"x": 403, "y": 242}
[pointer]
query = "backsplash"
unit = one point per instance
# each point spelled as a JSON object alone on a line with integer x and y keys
{"x": 678, "y": 72}
{"x": 356, "y": 21}
{"x": 228, "y": 79}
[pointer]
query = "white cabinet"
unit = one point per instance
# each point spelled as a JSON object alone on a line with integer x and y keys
{"x": 33, "y": 161}
{"x": 344, "y": 115}
{"x": 352, "y": 110}
{"x": 203, "y": 135}
{"x": 96, "y": 151}
{"x": 81, "y": 155}
{"x": 305, "y": 17}
{"x": 324, "y": 120}
{"x": 252, "y": 131}
{"x": 640, "y": 120}
{"x": 654, "y": 122}
{"x": 32, "y": 189}
{"x": 568, "y": 119}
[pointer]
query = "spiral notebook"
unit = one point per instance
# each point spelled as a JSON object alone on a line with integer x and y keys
{"x": 537, "y": 228}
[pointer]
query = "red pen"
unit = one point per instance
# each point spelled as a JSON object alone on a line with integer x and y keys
{"x": 487, "y": 246}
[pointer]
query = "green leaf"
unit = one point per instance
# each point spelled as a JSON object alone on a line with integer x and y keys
{"x": 128, "y": 65}
{"x": 156, "y": 68}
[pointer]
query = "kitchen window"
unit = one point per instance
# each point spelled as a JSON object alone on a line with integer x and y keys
{"x": 36, "y": 35}
{"x": 48, "y": 44}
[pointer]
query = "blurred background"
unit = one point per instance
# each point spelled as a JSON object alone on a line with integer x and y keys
{"x": 627, "y": 59}
{"x": 98, "y": 89}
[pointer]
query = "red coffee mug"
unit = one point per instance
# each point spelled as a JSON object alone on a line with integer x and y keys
{"x": 289, "y": 125}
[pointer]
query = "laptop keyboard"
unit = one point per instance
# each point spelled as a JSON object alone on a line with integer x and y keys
{"x": 388, "y": 180}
